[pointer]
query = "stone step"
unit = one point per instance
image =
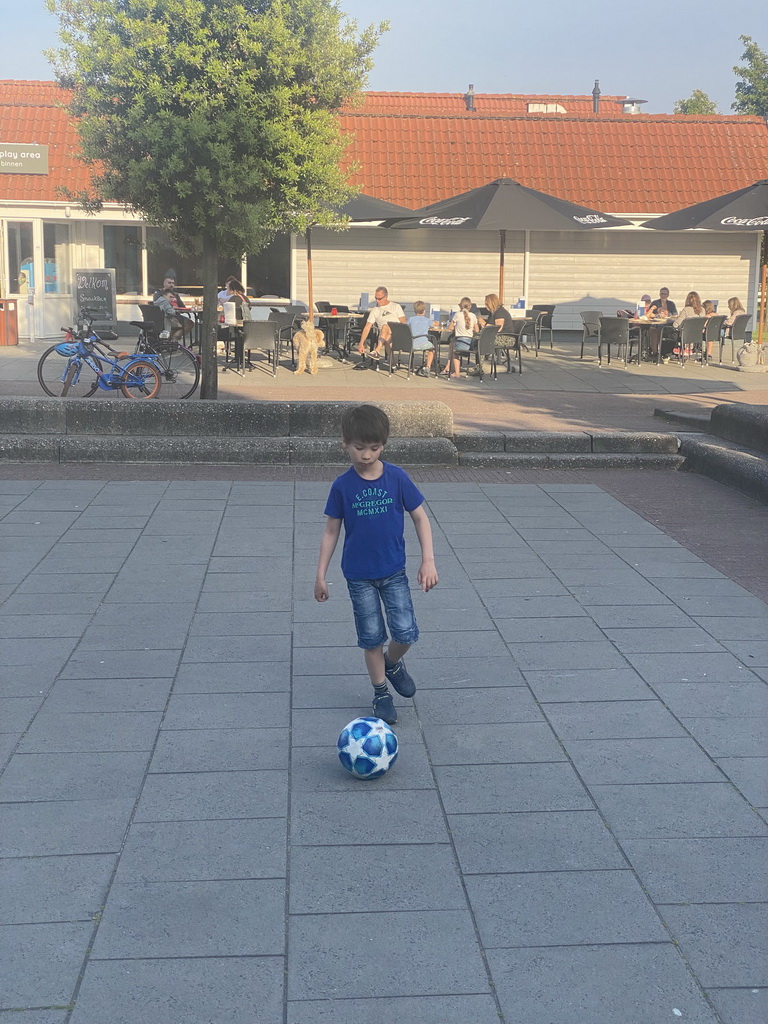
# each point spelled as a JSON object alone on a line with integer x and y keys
{"x": 727, "y": 462}
{"x": 570, "y": 460}
{"x": 593, "y": 442}
{"x": 691, "y": 420}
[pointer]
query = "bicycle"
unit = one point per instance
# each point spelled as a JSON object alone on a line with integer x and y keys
{"x": 179, "y": 366}
{"x": 60, "y": 368}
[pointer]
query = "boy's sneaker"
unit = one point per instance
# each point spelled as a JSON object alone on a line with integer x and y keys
{"x": 398, "y": 675}
{"x": 384, "y": 708}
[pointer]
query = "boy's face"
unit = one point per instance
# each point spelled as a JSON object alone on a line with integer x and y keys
{"x": 363, "y": 454}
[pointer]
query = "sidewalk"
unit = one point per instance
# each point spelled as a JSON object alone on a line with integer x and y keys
{"x": 557, "y": 391}
{"x": 575, "y": 831}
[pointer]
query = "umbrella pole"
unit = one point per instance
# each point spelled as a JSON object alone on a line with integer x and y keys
{"x": 310, "y": 297}
{"x": 763, "y": 297}
{"x": 502, "y": 246}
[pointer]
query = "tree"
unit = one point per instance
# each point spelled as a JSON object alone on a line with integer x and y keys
{"x": 697, "y": 103}
{"x": 215, "y": 119}
{"x": 752, "y": 88}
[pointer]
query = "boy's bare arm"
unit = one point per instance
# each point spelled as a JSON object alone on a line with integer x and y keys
{"x": 327, "y": 547}
{"x": 427, "y": 574}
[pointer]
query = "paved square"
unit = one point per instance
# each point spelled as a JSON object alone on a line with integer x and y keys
{"x": 575, "y": 832}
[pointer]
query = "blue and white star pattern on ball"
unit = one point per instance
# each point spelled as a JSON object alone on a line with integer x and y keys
{"x": 367, "y": 748}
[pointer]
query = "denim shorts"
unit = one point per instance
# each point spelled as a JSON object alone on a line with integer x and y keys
{"x": 367, "y": 598}
{"x": 463, "y": 344}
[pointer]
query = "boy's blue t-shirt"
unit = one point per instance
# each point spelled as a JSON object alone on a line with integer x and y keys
{"x": 419, "y": 325}
{"x": 373, "y": 512}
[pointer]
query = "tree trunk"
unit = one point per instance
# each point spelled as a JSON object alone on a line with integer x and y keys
{"x": 209, "y": 376}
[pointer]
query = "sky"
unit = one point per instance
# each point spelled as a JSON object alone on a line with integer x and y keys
{"x": 659, "y": 50}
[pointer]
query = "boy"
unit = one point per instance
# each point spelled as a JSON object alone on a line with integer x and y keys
{"x": 370, "y": 499}
{"x": 420, "y": 326}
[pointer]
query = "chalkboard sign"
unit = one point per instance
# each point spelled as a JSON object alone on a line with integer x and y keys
{"x": 95, "y": 290}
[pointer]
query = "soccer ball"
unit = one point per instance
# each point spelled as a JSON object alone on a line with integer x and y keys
{"x": 367, "y": 748}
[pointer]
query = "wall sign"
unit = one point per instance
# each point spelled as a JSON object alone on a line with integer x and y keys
{"x": 95, "y": 289}
{"x": 19, "y": 158}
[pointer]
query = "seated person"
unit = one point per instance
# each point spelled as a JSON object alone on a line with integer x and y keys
{"x": 234, "y": 291}
{"x": 709, "y": 308}
{"x": 169, "y": 282}
{"x": 663, "y": 307}
{"x": 225, "y": 295}
{"x": 173, "y": 322}
{"x": 464, "y": 326}
{"x": 646, "y": 301}
{"x": 735, "y": 309}
{"x": 420, "y": 326}
{"x": 380, "y": 317}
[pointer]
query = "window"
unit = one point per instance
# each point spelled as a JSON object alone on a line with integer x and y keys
{"x": 122, "y": 253}
{"x": 21, "y": 269}
{"x": 56, "y": 259}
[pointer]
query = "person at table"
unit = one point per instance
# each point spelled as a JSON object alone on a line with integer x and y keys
{"x": 663, "y": 307}
{"x": 464, "y": 326}
{"x": 421, "y": 325}
{"x": 693, "y": 307}
{"x": 169, "y": 281}
{"x": 174, "y": 324}
{"x": 233, "y": 291}
{"x": 384, "y": 313}
{"x": 735, "y": 309}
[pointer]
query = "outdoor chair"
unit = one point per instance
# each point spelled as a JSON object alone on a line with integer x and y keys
{"x": 690, "y": 337}
{"x": 285, "y": 324}
{"x": 486, "y": 346}
{"x": 401, "y": 344}
{"x": 544, "y": 324}
{"x": 261, "y": 334}
{"x": 506, "y": 344}
{"x": 738, "y": 333}
{"x": 614, "y": 330}
{"x": 712, "y": 334}
{"x": 152, "y": 314}
{"x": 591, "y": 329}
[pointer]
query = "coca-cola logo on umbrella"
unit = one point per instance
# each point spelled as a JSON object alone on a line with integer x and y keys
{"x": 444, "y": 222}
{"x": 745, "y": 222}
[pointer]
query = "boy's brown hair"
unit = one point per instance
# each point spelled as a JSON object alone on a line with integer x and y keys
{"x": 365, "y": 423}
{"x": 419, "y": 307}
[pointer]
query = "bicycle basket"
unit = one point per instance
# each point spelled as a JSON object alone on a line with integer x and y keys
{"x": 67, "y": 348}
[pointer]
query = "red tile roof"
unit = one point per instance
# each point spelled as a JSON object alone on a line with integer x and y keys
{"x": 405, "y": 146}
{"x": 33, "y": 112}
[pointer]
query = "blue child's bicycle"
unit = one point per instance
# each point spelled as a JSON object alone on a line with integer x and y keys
{"x": 81, "y": 363}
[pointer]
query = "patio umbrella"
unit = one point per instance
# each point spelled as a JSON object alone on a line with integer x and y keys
{"x": 746, "y": 209}
{"x": 504, "y": 205}
{"x": 360, "y": 209}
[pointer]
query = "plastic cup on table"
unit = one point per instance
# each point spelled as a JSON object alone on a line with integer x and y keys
{"x": 334, "y": 311}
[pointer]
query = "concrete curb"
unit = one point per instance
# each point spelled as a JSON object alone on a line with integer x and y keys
{"x": 745, "y": 470}
{"x": 568, "y": 460}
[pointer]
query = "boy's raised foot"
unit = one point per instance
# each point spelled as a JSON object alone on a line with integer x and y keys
{"x": 384, "y": 707}
{"x": 400, "y": 678}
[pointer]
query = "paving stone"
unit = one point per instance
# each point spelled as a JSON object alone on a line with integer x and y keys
{"x": 605, "y": 684}
{"x": 725, "y": 943}
{"x": 634, "y": 594}
{"x": 458, "y": 673}
{"x": 750, "y": 775}
{"x": 212, "y": 750}
{"x": 740, "y": 1006}
{"x": 634, "y": 719}
{"x": 51, "y": 605}
{"x": 181, "y": 991}
{"x": 562, "y": 908}
{"x": 419, "y": 878}
{"x": 50, "y": 889}
{"x": 201, "y": 919}
{"x": 137, "y": 664}
{"x": 468, "y": 789}
{"x": 546, "y": 630}
{"x": 242, "y": 623}
{"x": 677, "y": 811}
{"x": 734, "y": 627}
{"x": 315, "y": 770}
{"x": 76, "y": 776}
{"x": 63, "y": 732}
{"x": 688, "y": 668}
{"x": 212, "y": 795}
{"x": 39, "y": 1017}
{"x": 256, "y": 601}
{"x": 716, "y": 699}
{"x": 17, "y": 712}
{"x": 601, "y": 984}
{"x": 424, "y": 1009}
{"x": 538, "y": 841}
{"x": 669, "y": 639}
{"x": 40, "y": 652}
{"x": 29, "y": 680}
{"x": 227, "y": 711}
{"x": 8, "y": 743}
{"x": 75, "y": 826}
{"x": 730, "y": 737}
{"x": 489, "y": 743}
{"x": 91, "y": 695}
{"x": 701, "y": 870}
{"x": 621, "y": 761}
{"x": 471, "y": 706}
{"x": 416, "y": 954}
{"x": 67, "y": 583}
{"x": 331, "y": 691}
{"x": 640, "y": 617}
{"x": 561, "y": 655}
{"x": 339, "y": 819}
{"x": 39, "y": 625}
{"x": 39, "y": 963}
{"x": 233, "y": 677}
{"x": 538, "y": 586}
{"x": 196, "y": 850}
{"x": 236, "y": 648}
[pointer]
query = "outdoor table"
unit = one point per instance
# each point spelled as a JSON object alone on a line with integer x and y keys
{"x": 339, "y": 330}
{"x": 644, "y": 325}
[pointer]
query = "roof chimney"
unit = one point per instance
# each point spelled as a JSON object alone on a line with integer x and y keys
{"x": 631, "y": 105}
{"x": 596, "y": 98}
{"x": 469, "y": 98}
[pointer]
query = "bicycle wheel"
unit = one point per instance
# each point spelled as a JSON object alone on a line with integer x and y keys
{"x": 144, "y": 380}
{"x": 179, "y": 371}
{"x": 66, "y": 377}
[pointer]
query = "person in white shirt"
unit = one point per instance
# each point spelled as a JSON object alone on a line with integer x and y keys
{"x": 382, "y": 315}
